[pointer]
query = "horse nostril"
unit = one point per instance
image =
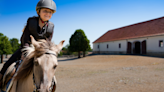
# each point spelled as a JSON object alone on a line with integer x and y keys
{"x": 47, "y": 90}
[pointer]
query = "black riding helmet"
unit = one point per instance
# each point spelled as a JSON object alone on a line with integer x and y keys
{"x": 50, "y": 4}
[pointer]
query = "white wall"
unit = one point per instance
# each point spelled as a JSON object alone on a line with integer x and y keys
{"x": 112, "y": 46}
{"x": 95, "y": 46}
{"x": 152, "y": 44}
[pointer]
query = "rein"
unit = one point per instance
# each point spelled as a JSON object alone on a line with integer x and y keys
{"x": 36, "y": 88}
{"x": 52, "y": 88}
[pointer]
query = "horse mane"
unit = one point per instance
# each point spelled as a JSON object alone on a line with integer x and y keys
{"x": 31, "y": 52}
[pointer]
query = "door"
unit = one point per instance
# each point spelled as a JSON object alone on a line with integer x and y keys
{"x": 129, "y": 48}
{"x": 137, "y": 48}
{"x": 144, "y": 47}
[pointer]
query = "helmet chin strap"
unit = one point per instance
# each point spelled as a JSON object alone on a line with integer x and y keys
{"x": 42, "y": 20}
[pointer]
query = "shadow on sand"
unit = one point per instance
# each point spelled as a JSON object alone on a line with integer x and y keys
{"x": 75, "y": 58}
{"x": 66, "y": 59}
{"x": 130, "y": 55}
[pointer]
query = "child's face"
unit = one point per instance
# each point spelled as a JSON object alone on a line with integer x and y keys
{"x": 45, "y": 14}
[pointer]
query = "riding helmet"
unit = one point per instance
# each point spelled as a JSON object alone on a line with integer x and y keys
{"x": 50, "y": 4}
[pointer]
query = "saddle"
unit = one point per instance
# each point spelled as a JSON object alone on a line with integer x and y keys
{"x": 9, "y": 74}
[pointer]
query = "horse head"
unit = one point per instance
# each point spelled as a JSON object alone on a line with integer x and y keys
{"x": 43, "y": 62}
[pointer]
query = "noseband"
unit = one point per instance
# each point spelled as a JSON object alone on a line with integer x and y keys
{"x": 53, "y": 81}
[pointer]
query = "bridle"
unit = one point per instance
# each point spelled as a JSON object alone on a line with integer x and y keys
{"x": 52, "y": 87}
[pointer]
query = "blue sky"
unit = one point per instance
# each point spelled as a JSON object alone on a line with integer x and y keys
{"x": 95, "y": 17}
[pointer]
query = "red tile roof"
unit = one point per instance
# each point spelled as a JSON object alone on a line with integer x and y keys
{"x": 148, "y": 28}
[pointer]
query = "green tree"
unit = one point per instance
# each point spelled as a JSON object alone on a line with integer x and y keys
{"x": 5, "y": 46}
{"x": 1, "y": 35}
{"x": 79, "y": 42}
{"x": 15, "y": 44}
{"x": 66, "y": 50}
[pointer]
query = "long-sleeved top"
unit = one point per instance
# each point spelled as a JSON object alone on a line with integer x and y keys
{"x": 33, "y": 28}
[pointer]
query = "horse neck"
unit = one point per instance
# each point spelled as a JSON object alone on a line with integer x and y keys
{"x": 25, "y": 85}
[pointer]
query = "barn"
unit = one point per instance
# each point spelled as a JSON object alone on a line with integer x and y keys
{"x": 141, "y": 38}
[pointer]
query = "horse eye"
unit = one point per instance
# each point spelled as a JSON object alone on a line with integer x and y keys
{"x": 55, "y": 66}
{"x": 36, "y": 63}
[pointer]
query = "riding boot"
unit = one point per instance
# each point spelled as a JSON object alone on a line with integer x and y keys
{"x": 1, "y": 78}
{"x": 16, "y": 56}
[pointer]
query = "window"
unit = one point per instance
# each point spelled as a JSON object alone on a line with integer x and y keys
{"x": 98, "y": 46}
{"x": 119, "y": 45}
{"x": 107, "y": 46}
{"x": 161, "y": 43}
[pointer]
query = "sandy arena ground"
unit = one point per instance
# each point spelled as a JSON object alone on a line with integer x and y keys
{"x": 110, "y": 73}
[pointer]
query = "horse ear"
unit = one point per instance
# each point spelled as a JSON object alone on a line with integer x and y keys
{"x": 34, "y": 42}
{"x": 60, "y": 45}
